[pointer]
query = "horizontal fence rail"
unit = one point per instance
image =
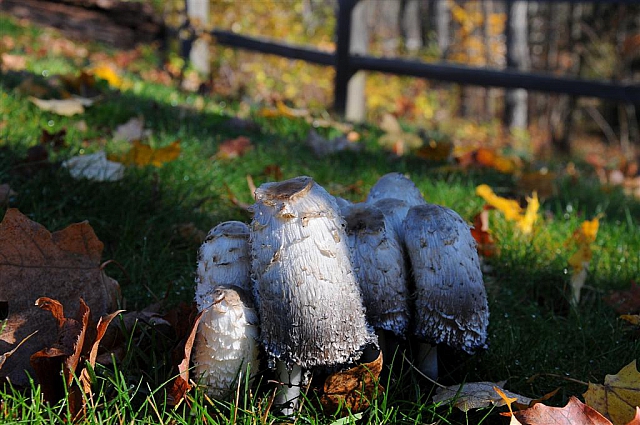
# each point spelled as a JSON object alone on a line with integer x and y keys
{"x": 346, "y": 65}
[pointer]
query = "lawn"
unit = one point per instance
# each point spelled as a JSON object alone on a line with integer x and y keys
{"x": 538, "y": 341}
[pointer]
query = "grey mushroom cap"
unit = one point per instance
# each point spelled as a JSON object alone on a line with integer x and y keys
{"x": 395, "y": 211}
{"x": 450, "y": 300}
{"x": 395, "y": 185}
{"x": 306, "y": 290}
{"x": 223, "y": 260}
{"x": 226, "y": 343}
{"x": 378, "y": 261}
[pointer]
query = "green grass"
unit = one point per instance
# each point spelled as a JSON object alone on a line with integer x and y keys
{"x": 533, "y": 329}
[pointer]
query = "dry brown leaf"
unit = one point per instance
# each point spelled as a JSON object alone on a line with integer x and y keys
{"x": 480, "y": 232}
{"x": 353, "y": 389}
{"x": 475, "y": 395}
{"x": 181, "y": 384}
{"x": 13, "y": 62}
{"x": 64, "y": 265}
{"x": 234, "y": 148}
{"x": 575, "y": 412}
{"x": 618, "y": 397}
{"x": 65, "y": 107}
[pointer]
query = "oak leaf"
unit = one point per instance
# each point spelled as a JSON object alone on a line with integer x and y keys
{"x": 35, "y": 263}
{"x": 511, "y": 208}
{"x": 353, "y": 389}
{"x": 107, "y": 73}
{"x": 474, "y": 395}
{"x": 575, "y": 412}
{"x": 618, "y": 397}
{"x": 480, "y": 232}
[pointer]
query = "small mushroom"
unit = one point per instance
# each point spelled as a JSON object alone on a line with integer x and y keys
{"x": 223, "y": 259}
{"x": 395, "y": 185}
{"x": 379, "y": 264}
{"x": 450, "y": 300}
{"x": 226, "y": 344}
{"x": 308, "y": 297}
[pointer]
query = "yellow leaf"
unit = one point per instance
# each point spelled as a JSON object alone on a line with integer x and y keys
{"x": 510, "y": 208}
{"x": 526, "y": 222}
{"x": 508, "y": 401}
{"x": 618, "y": 397}
{"x": 107, "y": 73}
{"x": 634, "y": 319}
{"x": 142, "y": 154}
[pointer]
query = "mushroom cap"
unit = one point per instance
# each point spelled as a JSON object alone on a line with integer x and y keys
{"x": 395, "y": 185}
{"x": 378, "y": 261}
{"x": 306, "y": 290}
{"x": 450, "y": 300}
{"x": 223, "y": 259}
{"x": 394, "y": 210}
{"x": 226, "y": 340}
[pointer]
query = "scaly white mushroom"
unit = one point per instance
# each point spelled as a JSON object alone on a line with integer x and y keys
{"x": 379, "y": 264}
{"x": 308, "y": 297}
{"x": 450, "y": 300}
{"x": 223, "y": 259}
{"x": 226, "y": 346}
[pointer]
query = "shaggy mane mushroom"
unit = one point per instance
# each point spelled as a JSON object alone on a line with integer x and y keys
{"x": 306, "y": 290}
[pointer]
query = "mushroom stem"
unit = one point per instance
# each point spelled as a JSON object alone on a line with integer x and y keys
{"x": 428, "y": 360}
{"x": 288, "y": 391}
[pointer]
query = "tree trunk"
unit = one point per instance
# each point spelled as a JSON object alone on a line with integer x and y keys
{"x": 517, "y": 58}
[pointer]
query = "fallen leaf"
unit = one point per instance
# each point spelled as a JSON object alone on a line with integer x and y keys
{"x": 282, "y": 110}
{"x": 575, "y": 412}
{"x": 6, "y": 193}
{"x": 181, "y": 384}
{"x": 36, "y": 263}
{"x": 508, "y": 401}
{"x": 626, "y": 301}
{"x": 480, "y": 232}
{"x": 66, "y": 107}
{"x": 234, "y": 148}
{"x": 510, "y": 208}
{"x": 5, "y": 356}
{"x": 579, "y": 262}
{"x": 618, "y": 397}
{"x": 142, "y": 154}
{"x": 94, "y": 167}
{"x": 352, "y": 390}
{"x": 526, "y": 222}
{"x": 131, "y": 130}
{"x": 13, "y": 62}
{"x": 634, "y": 319}
{"x": 107, "y": 73}
{"x": 474, "y": 395}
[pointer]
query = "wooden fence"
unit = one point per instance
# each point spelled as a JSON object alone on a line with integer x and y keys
{"x": 346, "y": 65}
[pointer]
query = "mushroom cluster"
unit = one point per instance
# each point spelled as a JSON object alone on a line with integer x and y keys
{"x": 323, "y": 273}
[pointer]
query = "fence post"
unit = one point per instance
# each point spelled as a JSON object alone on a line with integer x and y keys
{"x": 343, "y": 68}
